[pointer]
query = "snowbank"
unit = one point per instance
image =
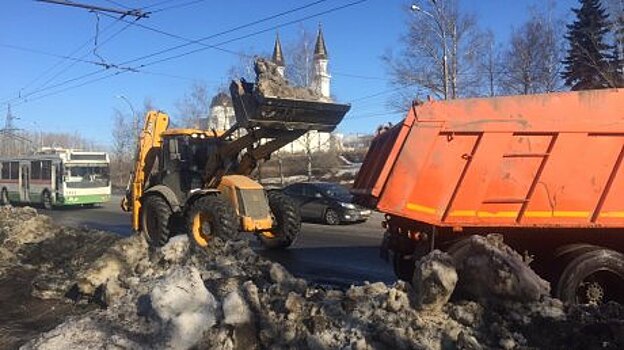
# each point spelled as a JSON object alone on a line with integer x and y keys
{"x": 227, "y": 297}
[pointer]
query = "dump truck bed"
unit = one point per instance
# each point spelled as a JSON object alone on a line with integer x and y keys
{"x": 521, "y": 161}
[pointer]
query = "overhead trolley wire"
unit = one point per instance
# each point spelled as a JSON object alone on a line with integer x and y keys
{"x": 123, "y": 66}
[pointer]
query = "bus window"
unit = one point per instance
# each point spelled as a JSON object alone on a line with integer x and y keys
{"x": 85, "y": 176}
{"x": 35, "y": 170}
{"x": 5, "y": 171}
{"x": 46, "y": 170}
{"x": 14, "y": 171}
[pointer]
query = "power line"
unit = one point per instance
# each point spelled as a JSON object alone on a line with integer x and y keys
{"x": 58, "y": 63}
{"x": 118, "y": 4}
{"x": 40, "y": 52}
{"x": 212, "y": 36}
{"x": 382, "y": 92}
{"x": 157, "y": 4}
{"x": 137, "y": 69}
{"x": 334, "y": 9}
{"x": 188, "y": 3}
{"x": 179, "y": 46}
{"x": 44, "y": 86}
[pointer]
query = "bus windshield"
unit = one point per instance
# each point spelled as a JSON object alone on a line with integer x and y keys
{"x": 87, "y": 176}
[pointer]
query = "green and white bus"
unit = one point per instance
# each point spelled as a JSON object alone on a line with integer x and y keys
{"x": 56, "y": 177}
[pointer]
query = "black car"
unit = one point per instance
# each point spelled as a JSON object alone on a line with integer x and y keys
{"x": 327, "y": 202}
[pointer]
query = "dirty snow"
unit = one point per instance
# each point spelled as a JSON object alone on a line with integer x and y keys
{"x": 227, "y": 297}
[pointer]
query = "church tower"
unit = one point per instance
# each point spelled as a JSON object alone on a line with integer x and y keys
{"x": 278, "y": 56}
{"x": 321, "y": 73}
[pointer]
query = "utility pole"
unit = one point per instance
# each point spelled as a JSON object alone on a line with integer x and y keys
{"x": 130, "y": 12}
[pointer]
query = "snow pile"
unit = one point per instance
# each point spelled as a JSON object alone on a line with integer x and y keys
{"x": 227, "y": 297}
{"x": 271, "y": 83}
{"x": 489, "y": 269}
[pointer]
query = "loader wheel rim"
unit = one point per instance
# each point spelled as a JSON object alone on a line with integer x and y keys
{"x": 201, "y": 229}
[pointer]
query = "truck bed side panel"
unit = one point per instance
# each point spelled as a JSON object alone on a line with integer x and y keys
{"x": 552, "y": 160}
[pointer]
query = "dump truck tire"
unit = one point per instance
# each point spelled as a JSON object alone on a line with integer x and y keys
{"x": 156, "y": 220}
{"x": 287, "y": 222}
{"x": 211, "y": 216}
{"x": 4, "y": 197}
{"x": 593, "y": 277}
{"x": 403, "y": 268}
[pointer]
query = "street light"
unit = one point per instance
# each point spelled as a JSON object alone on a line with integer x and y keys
{"x": 135, "y": 116}
{"x": 415, "y": 8}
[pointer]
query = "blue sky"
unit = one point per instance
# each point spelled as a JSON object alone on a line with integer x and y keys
{"x": 356, "y": 37}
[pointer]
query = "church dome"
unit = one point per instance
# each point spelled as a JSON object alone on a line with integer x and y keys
{"x": 221, "y": 99}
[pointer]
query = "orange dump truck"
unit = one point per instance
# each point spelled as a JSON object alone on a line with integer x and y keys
{"x": 545, "y": 171}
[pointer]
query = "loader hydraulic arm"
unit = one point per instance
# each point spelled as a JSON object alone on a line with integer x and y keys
{"x": 148, "y": 148}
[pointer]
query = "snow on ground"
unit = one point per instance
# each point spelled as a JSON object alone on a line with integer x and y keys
{"x": 116, "y": 293}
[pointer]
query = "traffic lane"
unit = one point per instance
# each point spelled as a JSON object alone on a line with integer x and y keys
{"x": 336, "y": 255}
{"x": 106, "y": 217}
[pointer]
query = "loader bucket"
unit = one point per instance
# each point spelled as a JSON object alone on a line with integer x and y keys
{"x": 253, "y": 110}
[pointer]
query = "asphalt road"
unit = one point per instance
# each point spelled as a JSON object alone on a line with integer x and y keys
{"x": 336, "y": 255}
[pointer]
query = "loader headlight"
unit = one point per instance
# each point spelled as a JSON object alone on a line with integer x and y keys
{"x": 347, "y": 205}
{"x": 194, "y": 136}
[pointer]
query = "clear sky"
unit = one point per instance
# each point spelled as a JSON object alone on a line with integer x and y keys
{"x": 74, "y": 101}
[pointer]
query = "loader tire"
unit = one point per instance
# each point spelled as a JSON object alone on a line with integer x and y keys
{"x": 593, "y": 277}
{"x": 287, "y": 222}
{"x": 211, "y": 216}
{"x": 4, "y": 197}
{"x": 156, "y": 220}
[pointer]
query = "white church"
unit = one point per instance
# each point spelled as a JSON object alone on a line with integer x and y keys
{"x": 222, "y": 112}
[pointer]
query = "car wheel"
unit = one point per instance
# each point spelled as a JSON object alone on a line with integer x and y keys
{"x": 331, "y": 217}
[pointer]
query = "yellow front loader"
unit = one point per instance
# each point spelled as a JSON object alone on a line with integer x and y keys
{"x": 197, "y": 181}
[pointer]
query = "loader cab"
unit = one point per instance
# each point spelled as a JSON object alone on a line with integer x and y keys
{"x": 183, "y": 157}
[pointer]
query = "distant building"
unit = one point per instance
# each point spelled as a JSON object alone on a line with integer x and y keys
{"x": 221, "y": 113}
{"x": 356, "y": 142}
{"x": 312, "y": 141}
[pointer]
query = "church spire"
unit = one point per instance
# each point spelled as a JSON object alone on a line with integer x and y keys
{"x": 278, "y": 56}
{"x": 321, "y": 73}
{"x": 320, "y": 51}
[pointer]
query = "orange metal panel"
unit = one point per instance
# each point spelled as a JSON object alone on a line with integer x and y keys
{"x": 551, "y": 160}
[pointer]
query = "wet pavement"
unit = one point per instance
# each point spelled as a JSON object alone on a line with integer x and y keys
{"x": 337, "y": 255}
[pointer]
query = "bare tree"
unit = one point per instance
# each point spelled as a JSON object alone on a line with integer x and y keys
{"x": 441, "y": 51}
{"x": 195, "y": 105}
{"x": 300, "y": 59}
{"x": 532, "y": 61}
{"x": 490, "y": 64}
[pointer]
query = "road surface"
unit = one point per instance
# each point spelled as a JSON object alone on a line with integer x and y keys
{"x": 337, "y": 255}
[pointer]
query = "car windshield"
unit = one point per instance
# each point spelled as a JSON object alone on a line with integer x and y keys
{"x": 336, "y": 192}
{"x": 87, "y": 176}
